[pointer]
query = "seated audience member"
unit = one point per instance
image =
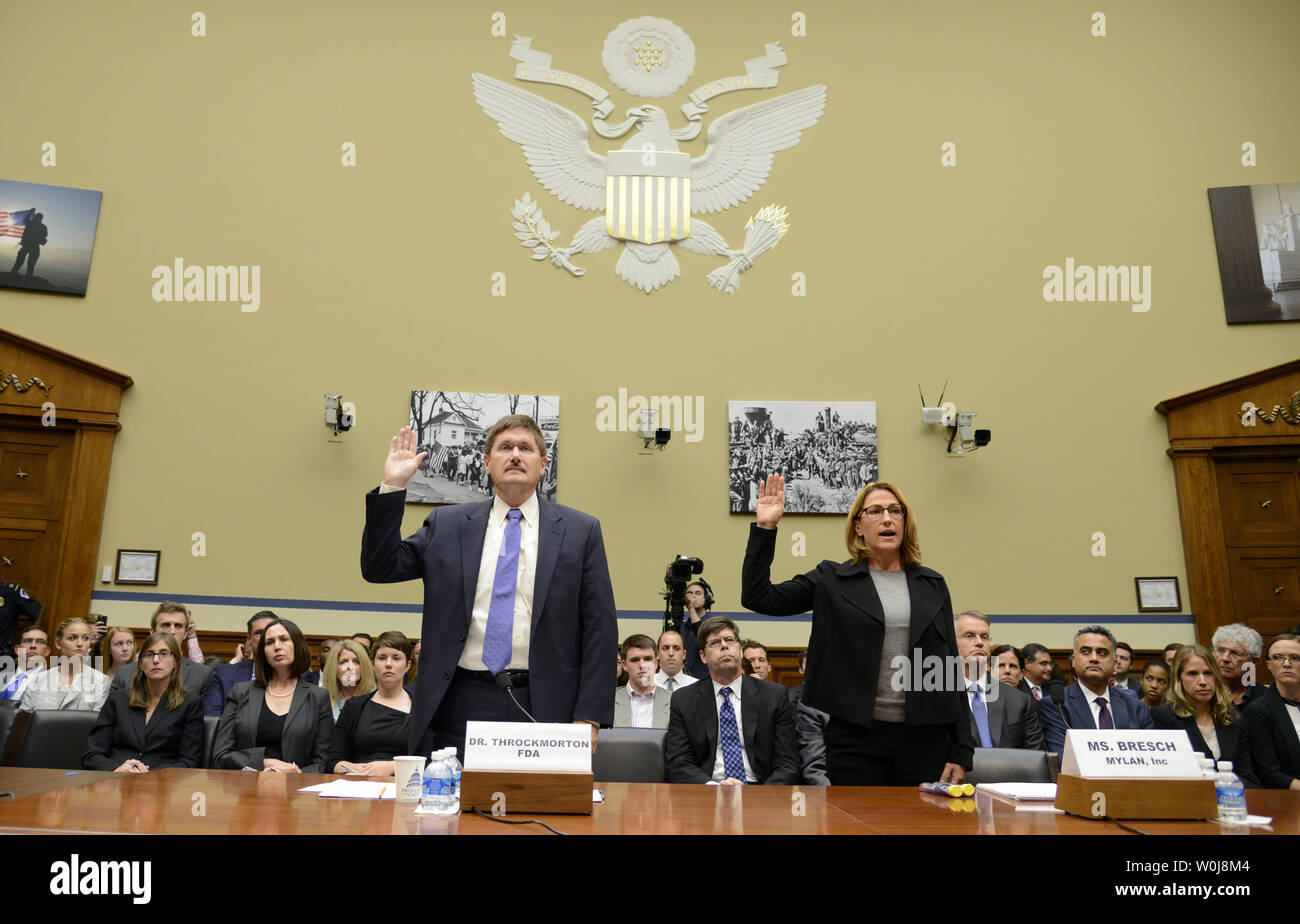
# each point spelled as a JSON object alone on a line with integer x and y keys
{"x": 1123, "y": 662}
{"x": 31, "y": 657}
{"x": 1038, "y": 667}
{"x": 373, "y": 728}
{"x": 1009, "y": 665}
{"x": 154, "y": 723}
{"x": 730, "y": 729}
{"x": 640, "y": 704}
{"x": 365, "y": 641}
{"x": 1000, "y": 716}
{"x": 69, "y": 683}
{"x": 347, "y": 673}
{"x": 226, "y": 676}
{"x": 415, "y": 664}
{"x": 1170, "y": 650}
{"x": 1272, "y": 719}
{"x": 672, "y": 662}
{"x": 277, "y": 721}
{"x": 796, "y": 693}
{"x": 1155, "y": 683}
{"x": 117, "y": 649}
{"x": 174, "y": 619}
{"x": 1237, "y": 649}
{"x": 1200, "y": 704}
{"x": 326, "y": 646}
{"x": 1088, "y": 703}
{"x": 756, "y": 663}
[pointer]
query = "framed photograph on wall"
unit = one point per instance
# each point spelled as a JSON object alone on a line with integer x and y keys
{"x": 1257, "y": 237}
{"x": 451, "y": 427}
{"x": 137, "y": 566}
{"x": 47, "y": 234}
{"x": 825, "y": 449}
{"x": 1158, "y": 595}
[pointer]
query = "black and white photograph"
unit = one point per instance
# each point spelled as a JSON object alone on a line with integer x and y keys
{"x": 452, "y": 426}
{"x": 1257, "y": 236}
{"x": 826, "y": 451}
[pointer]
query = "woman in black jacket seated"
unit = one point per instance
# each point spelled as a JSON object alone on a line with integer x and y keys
{"x": 374, "y": 728}
{"x": 151, "y": 723}
{"x": 277, "y": 721}
{"x": 1200, "y": 703}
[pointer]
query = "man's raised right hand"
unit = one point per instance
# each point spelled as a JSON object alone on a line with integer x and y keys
{"x": 402, "y": 459}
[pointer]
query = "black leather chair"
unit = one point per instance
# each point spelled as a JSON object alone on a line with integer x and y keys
{"x": 629, "y": 755}
{"x": 209, "y": 733}
{"x": 8, "y": 715}
{"x": 1011, "y": 765}
{"x": 54, "y": 738}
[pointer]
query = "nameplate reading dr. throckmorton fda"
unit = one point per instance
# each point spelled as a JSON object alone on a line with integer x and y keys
{"x": 541, "y": 747}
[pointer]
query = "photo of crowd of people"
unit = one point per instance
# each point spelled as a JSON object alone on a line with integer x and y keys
{"x": 451, "y": 425}
{"x": 825, "y": 450}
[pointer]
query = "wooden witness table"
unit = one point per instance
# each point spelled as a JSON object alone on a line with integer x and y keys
{"x": 235, "y": 802}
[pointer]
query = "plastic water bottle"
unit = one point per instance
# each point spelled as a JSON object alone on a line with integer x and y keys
{"x": 438, "y": 793}
{"x": 455, "y": 766}
{"x": 1231, "y": 793}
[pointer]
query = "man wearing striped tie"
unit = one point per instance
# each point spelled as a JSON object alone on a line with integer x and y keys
{"x": 1001, "y": 716}
{"x": 517, "y": 595}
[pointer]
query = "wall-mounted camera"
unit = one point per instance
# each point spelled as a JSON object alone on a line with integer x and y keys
{"x": 962, "y": 435}
{"x": 338, "y": 414}
{"x": 650, "y": 435}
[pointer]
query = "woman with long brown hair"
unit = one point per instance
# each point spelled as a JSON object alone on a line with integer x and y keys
{"x": 153, "y": 723}
{"x": 116, "y": 649}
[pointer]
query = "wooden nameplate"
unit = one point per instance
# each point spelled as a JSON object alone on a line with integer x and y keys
{"x": 515, "y": 792}
{"x": 1136, "y": 798}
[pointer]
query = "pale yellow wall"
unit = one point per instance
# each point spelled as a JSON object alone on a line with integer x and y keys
{"x": 376, "y": 279}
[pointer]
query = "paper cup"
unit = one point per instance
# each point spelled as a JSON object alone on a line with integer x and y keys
{"x": 407, "y": 771}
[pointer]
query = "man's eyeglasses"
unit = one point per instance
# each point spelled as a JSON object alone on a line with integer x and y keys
{"x": 875, "y": 512}
{"x": 725, "y": 642}
{"x": 1233, "y": 653}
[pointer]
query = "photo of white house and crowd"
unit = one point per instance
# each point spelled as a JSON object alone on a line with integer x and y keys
{"x": 826, "y": 450}
{"x": 451, "y": 426}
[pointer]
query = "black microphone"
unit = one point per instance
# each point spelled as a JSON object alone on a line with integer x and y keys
{"x": 1056, "y": 692}
{"x": 505, "y": 686}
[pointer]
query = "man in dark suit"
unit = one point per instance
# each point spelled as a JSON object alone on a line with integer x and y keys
{"x": 1000, "y": 715}
{"x": 515, "y": 588}
{"x": 1271, "y": 736}
{"x": 1089, "y": 703}
{"x": 226, "y": 676}
{"x": 708, "y": 742}
{"x": 195, "y": 677}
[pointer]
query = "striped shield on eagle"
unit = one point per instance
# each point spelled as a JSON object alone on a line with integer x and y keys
{"x": 648, "y": 196}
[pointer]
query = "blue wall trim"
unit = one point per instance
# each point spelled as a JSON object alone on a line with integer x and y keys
{"x": 288, "y": 603}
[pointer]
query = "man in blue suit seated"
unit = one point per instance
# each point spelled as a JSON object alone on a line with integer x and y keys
{"x": 1092, "y": 703}
{"x": 226, "y": 676}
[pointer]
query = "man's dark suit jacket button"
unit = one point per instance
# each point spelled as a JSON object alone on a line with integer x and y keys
{"x": 463, "y": 637}
{"x": 446, "y": 674}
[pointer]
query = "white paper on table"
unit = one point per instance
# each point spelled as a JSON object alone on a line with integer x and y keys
{"x": 353, "y": 789}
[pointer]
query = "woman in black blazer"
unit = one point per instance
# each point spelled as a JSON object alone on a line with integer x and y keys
{"x": 1200, "y": 703}
{"x": 894, "y": 720}
{"x": 151, "y": 723}
{"x": 277, "y": 721}
{"x": 375, "y": 727}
